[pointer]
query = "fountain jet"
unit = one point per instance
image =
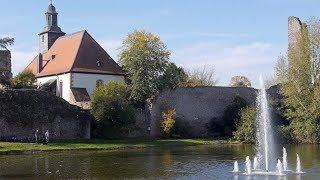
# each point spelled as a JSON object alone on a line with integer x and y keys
{"x": 265, "y": 144}
{"x": 279, "y": 167}
{"x": 236, "y": 167}
{"x": 284, "y": 159}
{"x": 248, "y": 165}
{"x": 255, "y": 163}
{"x": 264, "y": 131}
{"x": 298, "y": 170}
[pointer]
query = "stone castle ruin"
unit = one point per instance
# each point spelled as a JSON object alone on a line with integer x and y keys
{"x": 22, "y": 112}
{"x": 5, "y": 64}
{"x": 295, "y": 30}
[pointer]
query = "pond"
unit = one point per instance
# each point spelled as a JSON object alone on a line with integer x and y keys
{"x": 193, "y": 162}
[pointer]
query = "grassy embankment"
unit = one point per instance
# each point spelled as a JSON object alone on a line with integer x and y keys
{"x": 18, "y": 148}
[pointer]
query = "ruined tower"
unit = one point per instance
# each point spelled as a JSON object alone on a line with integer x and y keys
{"x": 51, "y": 31}
{"x": 5, "y": 64}
{"x": 295, "y": 30}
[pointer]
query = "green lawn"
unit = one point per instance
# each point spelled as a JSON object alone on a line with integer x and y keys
{"x": 12, "y": 148}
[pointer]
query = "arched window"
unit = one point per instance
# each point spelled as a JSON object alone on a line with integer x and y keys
{"x": 61, "y": 89}
{"x": 98, "y": 63}
{"x": 99, "y": 82}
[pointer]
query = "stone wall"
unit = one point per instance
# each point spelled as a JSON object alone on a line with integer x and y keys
{"x": 22, "y": 112}
{"x": 296, "y": 28}
{"x": 5, "y": 63}
{"x": 197, "y": 106}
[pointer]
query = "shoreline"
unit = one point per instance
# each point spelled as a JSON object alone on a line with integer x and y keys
{"x": 16, "y": 148}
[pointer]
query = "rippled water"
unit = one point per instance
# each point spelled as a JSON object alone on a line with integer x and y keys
{"x": 204, "y": 162}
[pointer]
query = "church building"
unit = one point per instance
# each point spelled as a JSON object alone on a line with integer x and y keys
{"x": 71, "y": 66}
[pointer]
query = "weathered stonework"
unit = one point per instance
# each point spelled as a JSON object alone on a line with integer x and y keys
{"x": 22, "y": 112}
{"x": 5, "y": 64}
{"x": 198, "y": 106}
{"x": 295, "y": 30}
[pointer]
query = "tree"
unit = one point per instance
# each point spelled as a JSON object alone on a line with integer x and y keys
{"x": 112, "y": 109}
{"x": 246, "y": 130}
{"x": 231, "y": 115}
{"x": 298, "y": 74}
{"x": 201, "y": 76}
{"x": 5, "y": 42}
{"x": 168, "y": 121}
{"x": 25, "y": 79}
{"x": 240, "y": 81}
{"x": 144, "y": 57}
{"x": 173, "y": 77}
{"x": 4, "y": 81}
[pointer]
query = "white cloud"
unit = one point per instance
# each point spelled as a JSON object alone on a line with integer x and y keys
{"x": 21, "y": 57}
{"x": 249, "y": 60}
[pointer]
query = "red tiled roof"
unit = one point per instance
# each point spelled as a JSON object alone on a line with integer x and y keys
{"x": 77, "y": 52}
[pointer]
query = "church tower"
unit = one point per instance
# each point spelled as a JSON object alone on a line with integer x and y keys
{"x": 52, "y": 31}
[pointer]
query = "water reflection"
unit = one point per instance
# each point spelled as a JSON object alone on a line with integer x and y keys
{"x": 203, "y": 162}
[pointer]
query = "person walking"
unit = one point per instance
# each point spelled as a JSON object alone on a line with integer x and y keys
{"x": 47, "y": 136}
{"x": 36, "y": 135}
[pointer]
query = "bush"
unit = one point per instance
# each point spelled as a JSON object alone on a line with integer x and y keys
{"x": 232, "y": 113}
{"x": 25, "y": 79}
{"x": 246, "y": 130}
{"x": 112, "y": 110}
{"x": 5, "y": 82}
{"x": 215, "y": 128}
{"x": 168, "y": 122}
{"x": 181, "y": 129}
{"x": 240, "y": 81}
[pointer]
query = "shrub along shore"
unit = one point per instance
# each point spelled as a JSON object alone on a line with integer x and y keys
{"x": 95, "y": 145}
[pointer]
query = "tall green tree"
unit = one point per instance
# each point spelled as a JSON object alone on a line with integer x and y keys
{"x": 172, "y": 78}
{"x": 112, "y": 109}
{"x": 5, "y": 42}
{"x": 246, "y": 130}
{"x": 300, "y": 85}
{"x": 144, "y": 57}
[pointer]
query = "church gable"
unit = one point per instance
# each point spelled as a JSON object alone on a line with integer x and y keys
{"x": 77, "y": 52}
{"x": 92, "y": 58}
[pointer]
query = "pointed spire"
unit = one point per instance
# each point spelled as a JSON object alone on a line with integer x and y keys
{"x": 51, "y": 31}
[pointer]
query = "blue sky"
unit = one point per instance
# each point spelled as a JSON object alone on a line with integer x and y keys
{"x": 236, "y": 37}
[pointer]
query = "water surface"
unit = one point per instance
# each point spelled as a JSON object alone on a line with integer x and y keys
{"x": 196, "y": 162}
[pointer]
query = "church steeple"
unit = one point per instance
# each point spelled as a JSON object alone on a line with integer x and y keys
{"x": 51, "y": 31}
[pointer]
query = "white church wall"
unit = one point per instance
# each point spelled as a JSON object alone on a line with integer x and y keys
{"x": 65, "y": 79}
{"x": 88, "y": 81}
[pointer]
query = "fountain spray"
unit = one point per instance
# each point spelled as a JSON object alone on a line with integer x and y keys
{"x": 284, "y": 159}
{"x": 248, "y": 165}
{"x": 236, "y": 167}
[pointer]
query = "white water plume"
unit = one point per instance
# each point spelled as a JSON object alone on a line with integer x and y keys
{"x": 264, "y": 131}
{"x": 236, "y": 167}
{"x": 248, "y": 165}
{"x": 284, "y": 159}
